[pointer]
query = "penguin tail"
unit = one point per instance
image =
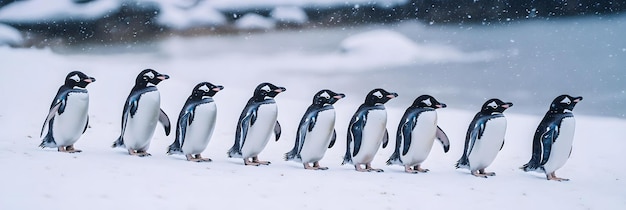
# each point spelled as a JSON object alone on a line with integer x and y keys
{"x": 118, "y": 143}
{"x": 292, "y": 155}
{"x": 462, "y": 163}
{"x": 394, "y": 159}
{"x": 48, "y": 141}
{"x": 234, "y": 152}
{"x": 174, "y": 148}
{"x": 347, "y": 159}
{"x": 532, "y": 167}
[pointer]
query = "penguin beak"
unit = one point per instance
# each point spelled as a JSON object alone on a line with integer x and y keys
{"x": 339, "y": 96}
{"x": 507, "y": 105}
{"x": 280, "y": 90}
{"x": 218, "y": 88}
{"x": 439, "y": 106}
{"x": 392, "y": 95}
{"x": 90, "y": 80}
{"x": 578, "y": 99}
{"x": 163, "y": 77}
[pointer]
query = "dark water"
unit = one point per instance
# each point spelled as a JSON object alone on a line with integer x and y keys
{"x": 537, "y": 61}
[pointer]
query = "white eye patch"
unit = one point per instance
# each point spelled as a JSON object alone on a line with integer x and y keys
{"x": 566, "y": 101}
{"x": 378, "y": 94}
{"x": 266, "y": 88}
{"x": 149, "y": 75}
{"x": 204, "y": 88}
{"x": 325, "y": 95}
{"x": 75, "y": 77}
{"x": 427, "y": 102}
{"x": 493, "y": 104}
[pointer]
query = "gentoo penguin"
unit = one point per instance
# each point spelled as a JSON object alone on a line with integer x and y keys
{"x": 552, "y": 144}
{"x": 141, "y": 113}
{"x": 316, "y": 131}
{"x": 67, "y": 119}
{"x": 256, "y": 123}
{"x": 196, "y": 122}
{"x": 367, "y": 130}
{"x": 416, "y": 133}
{"x": 484, "y": 138}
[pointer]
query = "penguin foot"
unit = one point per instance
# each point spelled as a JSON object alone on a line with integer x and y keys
{"x": 368, "y": 167}
{"x": 143, "y": 154}
{"x": 478, "y": 174}
{"x": 552, "y": 176}
{"x": 408, "y": 169}
{"x": 260, "y": 162}
{"x": 308, "y": 167}
{"x": 138, "y": 153}
{"x": 420, "y": 169}
{"x": 68, "y": 149}
{"x": 197, "y": 158}
{"x": 482, "y": 171}
{"x": 358, "y": 168}
{"x": 250, "y": 163}
{"x": 317, "y": 166}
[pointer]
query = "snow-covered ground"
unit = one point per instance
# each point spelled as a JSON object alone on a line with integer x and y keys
{"x": 106, "y": 178}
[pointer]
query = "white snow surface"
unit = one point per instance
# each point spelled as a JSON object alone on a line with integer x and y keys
{"x": 289, "y": 14}
{"x": 33, "y": 11}
{"x": 253, "y": 21}
{"x": 10, "y": 35}
{"x": 177, "y": 15}
{"x": 106, "y": 178}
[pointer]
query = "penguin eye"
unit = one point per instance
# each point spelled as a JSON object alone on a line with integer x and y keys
{"x": 378, "y": 94}
{"x": 149, "y": 75}
{"x": 75, "y": 78}
{"x": 325, "y": 95}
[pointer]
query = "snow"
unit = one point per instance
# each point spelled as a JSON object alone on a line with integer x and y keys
{"x": 10, "y": 35}
{"x": 294, "y": 15}
{"x": 35, "y": 11}
{"x": 253, "y": 21}
{"x": 106, "y": 178}
{"x": 180, "y": 17}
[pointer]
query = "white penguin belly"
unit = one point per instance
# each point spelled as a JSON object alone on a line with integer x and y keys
{"x": 140, "y": 128}
{"x": 486, "y": 148}
{"x": 316, "y": 142}
{"x": 198, "y": 134}
{"x": 372, "y": 136}
{"x": 559, "y": 153}
{"x": 259, "y": 133}
{"x": 422, "y": 138}
{"x": 69, "y": 126}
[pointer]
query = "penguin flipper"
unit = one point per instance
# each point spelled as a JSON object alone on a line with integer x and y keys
{"x": 443, "y": 138}
{"x": 385, "y": 138}
{"x": 181, "y": 129}
{"x": 165, "y": 120}
{"x": 547, "y": 139}
{"x": 355, "y": 132}
{"x": 86, "y": 125}
{"x": 332, "y": 139}
{"x": 277, "y": 130}
{"x": 404, "y": 133}
{"x": 242, "y": 131}
{"x": 53, "y": 110}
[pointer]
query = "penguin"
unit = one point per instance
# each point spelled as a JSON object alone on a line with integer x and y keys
{"x": 255, "y": 125}
{"x": 68, "y": 116}
{"x": 196, "y": 122}
{"x": 552, "y": 143}
{"x": 316, "y": 131}
{"x": 416, "y": 133}
{"x": 484, "y": 138}
{"x": 141, "y": 113}
{"x": 367, "y": 130}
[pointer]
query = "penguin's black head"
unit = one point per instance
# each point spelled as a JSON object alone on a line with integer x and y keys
{"x": 265, "y": 90}
{"x": 564, "y": 103}
{"x": 495, "y": 105}
{"x": 379, "y": 96}
{"x": 205, "y": 89}
{"x": 428, "y": 101}
{"x": 327, "y": 97}
{"x": 150, "y": 77}
{"x": 78, "y": 79}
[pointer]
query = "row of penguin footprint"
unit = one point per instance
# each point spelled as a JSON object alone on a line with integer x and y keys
{"x": 68, "y": 119}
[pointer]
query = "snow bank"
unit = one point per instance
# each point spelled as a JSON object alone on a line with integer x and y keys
{"x": 291, "y": 15}
{"x": 36, "y": 11}
{"x": 393, "y": 47}
{"x": 179, "y": 16}
{"x": 255, "y": 22}
{"x": 10, "y": 36}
